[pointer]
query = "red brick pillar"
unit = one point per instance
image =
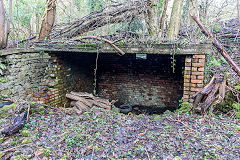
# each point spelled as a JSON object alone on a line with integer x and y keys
{"x": 193, "y": 75}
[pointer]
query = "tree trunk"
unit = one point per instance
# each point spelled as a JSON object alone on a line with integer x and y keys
{"x": 9, "y": 21}
{"x": 163, "y": 17}
{"x": 238, "y": 14}
{"x": 193, "y": 10}
{"x": 2, "y": 26}
{"x": 150, "y": 19}
{"x": 175, "y": 20}
{"x": 48, "y": 19}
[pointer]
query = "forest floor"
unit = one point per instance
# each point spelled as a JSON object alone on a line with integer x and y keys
{"x": 102, "y": 134}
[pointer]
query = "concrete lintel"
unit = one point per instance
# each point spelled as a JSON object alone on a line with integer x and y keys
{"x": 164, "y": 49}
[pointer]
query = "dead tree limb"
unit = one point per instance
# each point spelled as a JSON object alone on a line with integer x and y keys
{"x": 211, "y": 94}
{"x": 218, "y": 45}
{"x": 105, "y": 40}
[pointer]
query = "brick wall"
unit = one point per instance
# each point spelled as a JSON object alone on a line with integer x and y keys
{"x": 146, "y": 82}
{"x": 193, "y": 75}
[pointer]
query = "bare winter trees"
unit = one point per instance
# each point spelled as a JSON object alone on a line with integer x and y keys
{"x": 4, "y": 26}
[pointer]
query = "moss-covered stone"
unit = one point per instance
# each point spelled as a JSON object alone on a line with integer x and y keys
{"x": 4, "y": 111}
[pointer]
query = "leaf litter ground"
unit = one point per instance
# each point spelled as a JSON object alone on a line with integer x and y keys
{"x": 103, "y": 134}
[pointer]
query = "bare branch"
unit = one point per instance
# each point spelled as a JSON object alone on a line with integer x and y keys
{"x": 105, "y": 40}
{"x": 218, "y": 45}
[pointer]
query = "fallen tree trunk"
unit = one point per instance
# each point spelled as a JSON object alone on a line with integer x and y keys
{"x": 218, "y": 45}
{"x": 112, "y": 14}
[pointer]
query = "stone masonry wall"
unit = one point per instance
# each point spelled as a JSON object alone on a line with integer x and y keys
{"x": 46, "y": 77}
{"x": 25, "y": 75}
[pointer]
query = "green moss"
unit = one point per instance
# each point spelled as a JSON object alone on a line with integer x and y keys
{"x": 26, "y": 141}
{"x": 237, "y": 128}
{"x": 51, "y": 112}
{"x": 40, "y": 109}
{"x": 227, "y": 104}
{"x": 167, "y": 112}
{"x": 4, "y": 111}
{"x": 2, "y": 121}
{"x": 2, "y": 140}
{"x": 238, "y": 115}
{"x": 46, "y": 151}
{"x": 184, "y": 107}
{"x": 13, "y": 142}
{"x": 22, "y": 157}
{"x": 157, "y": 117}
{"x": 86, "y": 46}
{"x": 236, "y": 106}
{"x": 2, "y": 154}
{"x": 3, "y": 79}
{"x": 64, "y": 158}
{"x": 26, "y": 133}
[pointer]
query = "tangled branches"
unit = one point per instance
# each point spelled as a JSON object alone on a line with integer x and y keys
{"x": 108, "y": 15}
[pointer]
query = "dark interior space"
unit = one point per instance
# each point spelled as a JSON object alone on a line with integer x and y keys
{"x": 77, "y": 71}
{"x": 146, "y": 82}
